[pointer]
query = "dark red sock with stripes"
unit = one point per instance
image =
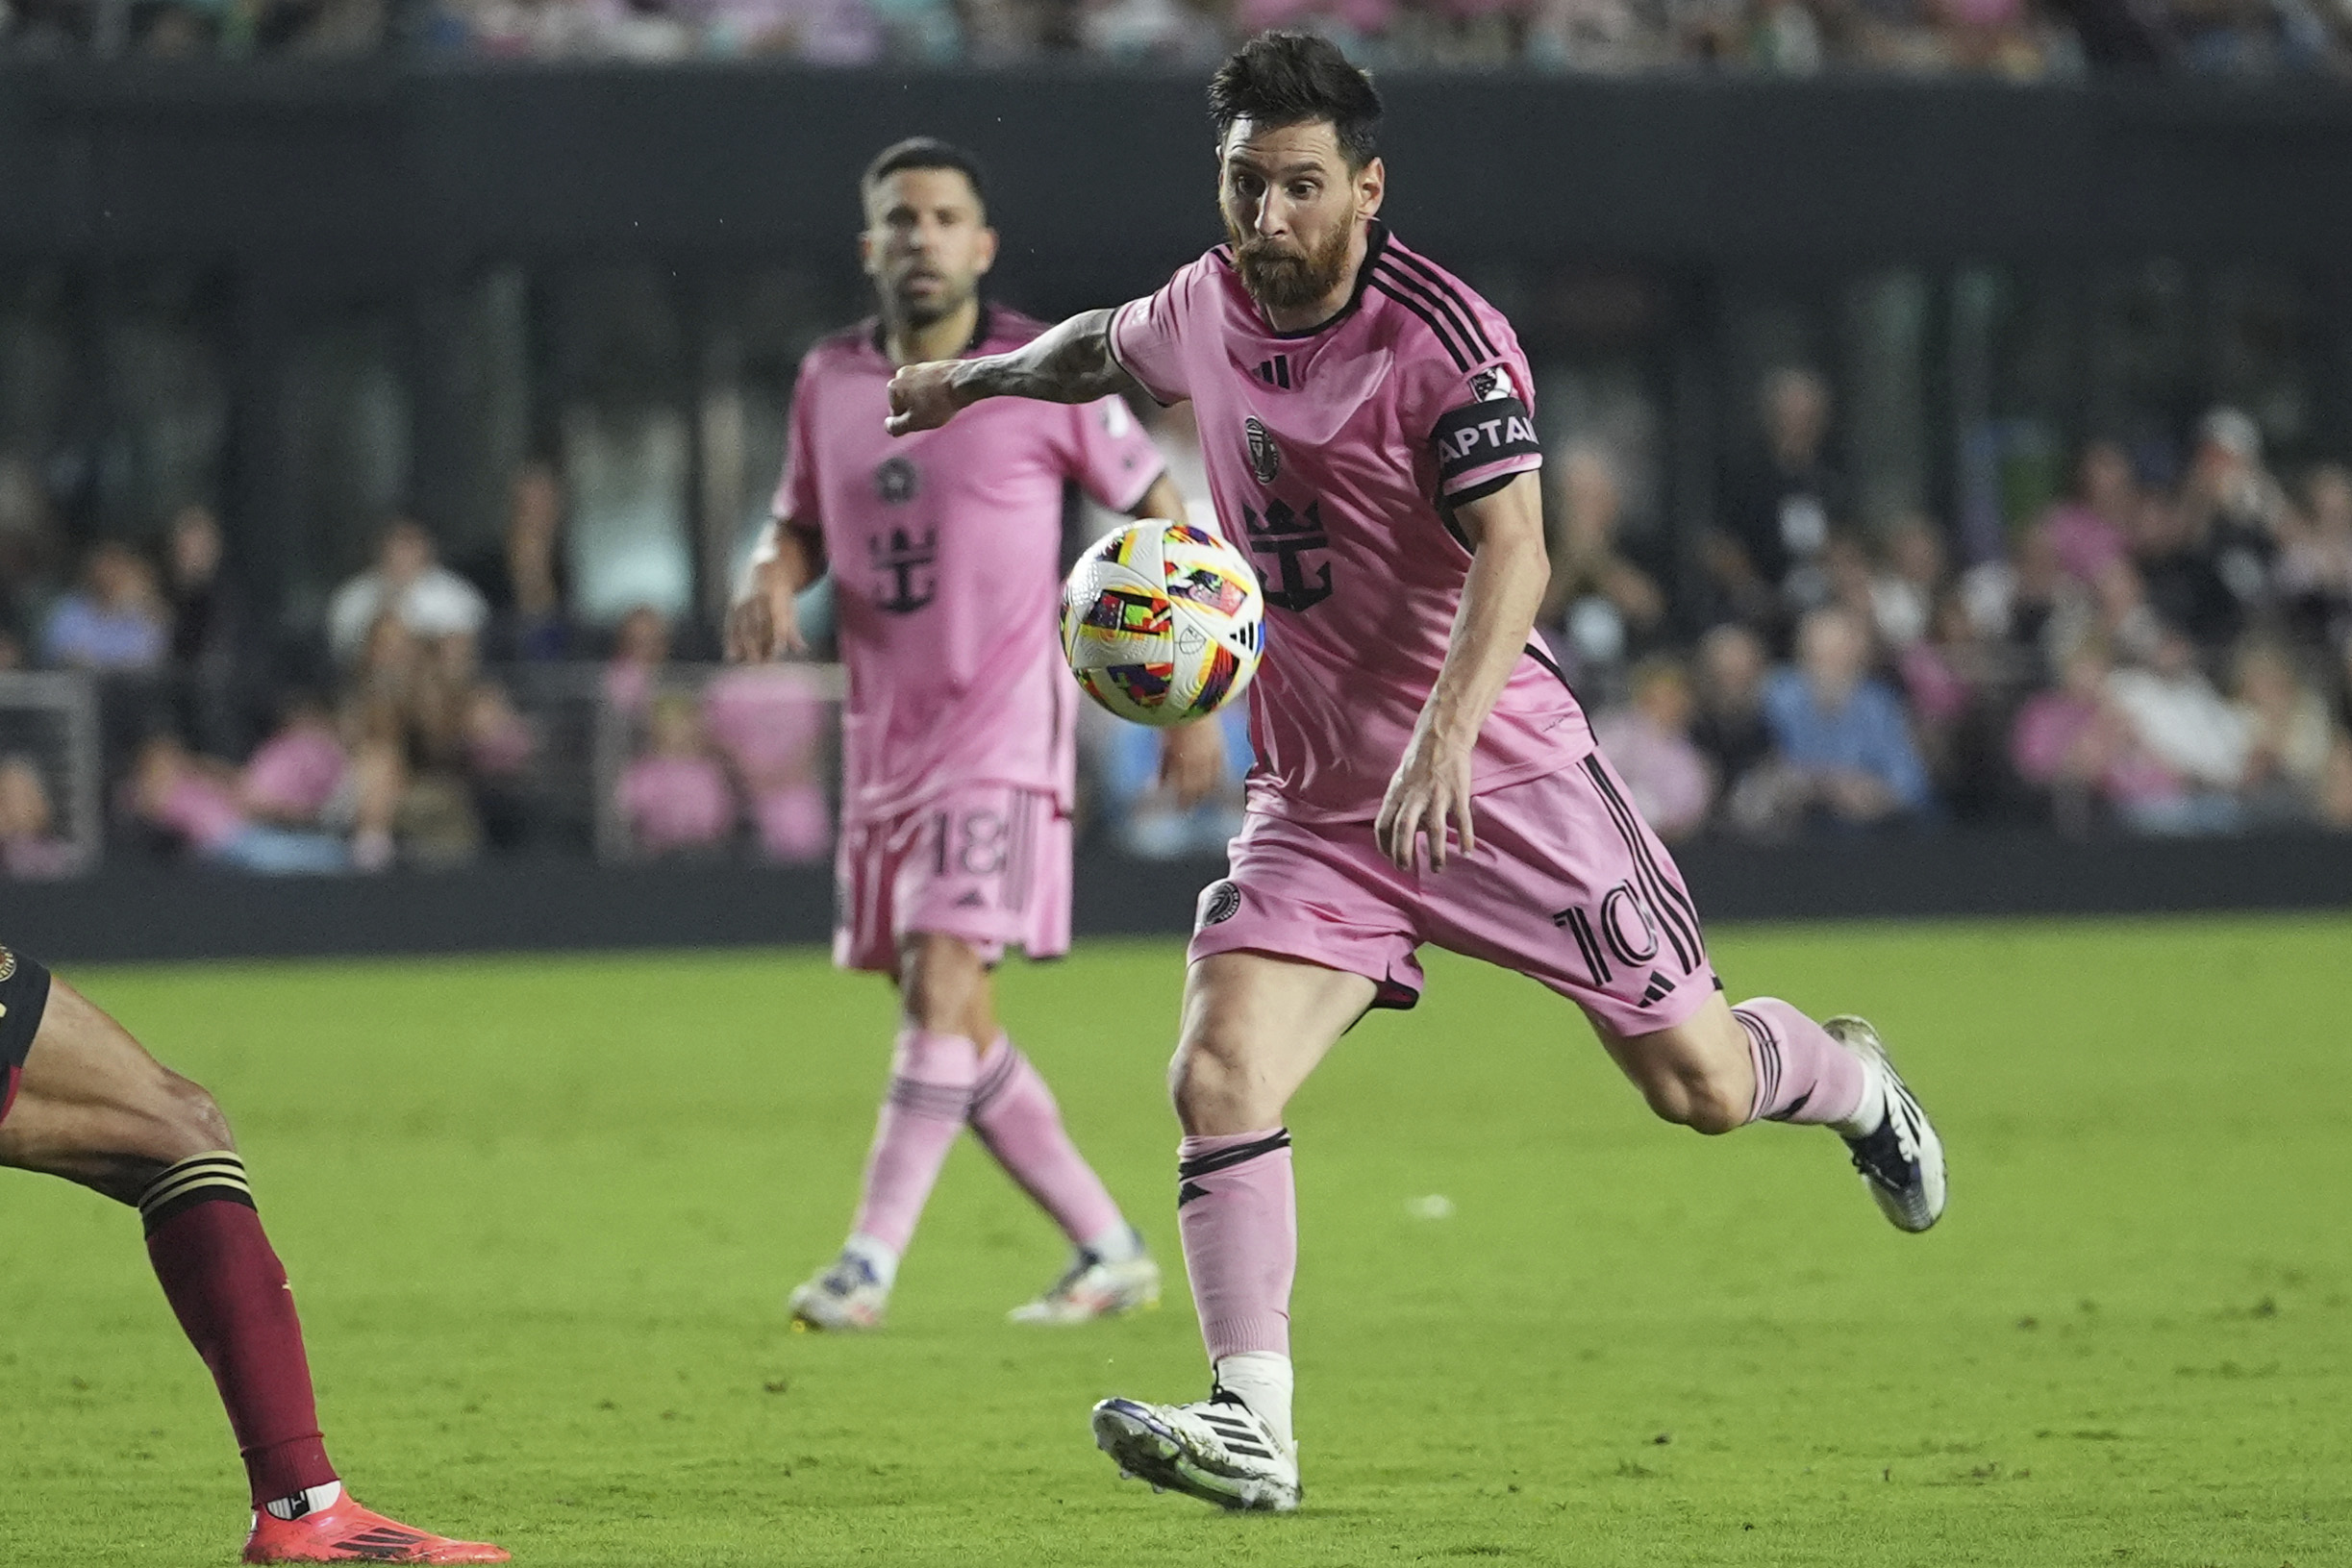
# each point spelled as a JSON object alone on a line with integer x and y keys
{"x": 230, "y": 1293}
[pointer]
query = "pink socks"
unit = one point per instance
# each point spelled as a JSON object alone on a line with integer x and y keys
{"x": 939, "y": 1082}
{"x": 931, "y": 1092}
{"x": 1801, "y": 1074}
{"x": 1015, "y": 1115}
{"x": 1237, "y": 1207}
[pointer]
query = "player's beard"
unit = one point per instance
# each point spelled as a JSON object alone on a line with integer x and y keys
{"x": 1280, "y": 278}
{"x": 921, "y": 312}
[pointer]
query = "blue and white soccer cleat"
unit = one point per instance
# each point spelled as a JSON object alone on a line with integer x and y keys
{"x": 1902, "y": 1159}
{"x": 846, "y": 1297}
{"x": 1094, "y": 1287}
{"x": 1216, "y": 1450}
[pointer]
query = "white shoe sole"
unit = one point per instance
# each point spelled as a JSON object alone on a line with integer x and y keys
{"x": 1148, "y": 1449}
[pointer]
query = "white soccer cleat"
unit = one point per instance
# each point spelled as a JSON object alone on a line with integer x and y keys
{"x": 1093, "y": 1287}
{"x": 1217, "y": 1451}
{"x": 1901, "y": 1162}
{"x": 846, "y": 1297}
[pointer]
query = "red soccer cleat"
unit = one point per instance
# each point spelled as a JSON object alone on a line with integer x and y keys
{"x": 346, "y": 1532}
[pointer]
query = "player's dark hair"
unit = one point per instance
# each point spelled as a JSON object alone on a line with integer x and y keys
{"x": 1286, "y": 78}
{"x": 926, "y": 153}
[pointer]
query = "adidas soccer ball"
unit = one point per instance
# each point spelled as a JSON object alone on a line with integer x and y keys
{"x": 1160, "y": 622}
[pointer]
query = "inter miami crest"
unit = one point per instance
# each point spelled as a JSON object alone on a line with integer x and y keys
{"x": 896, "y": 481}
{"x": 1264, "y": 457}
{"x": 1219, "y": 902}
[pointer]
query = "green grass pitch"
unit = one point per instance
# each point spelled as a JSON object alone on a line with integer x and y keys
{"x": 540, "y": 1216}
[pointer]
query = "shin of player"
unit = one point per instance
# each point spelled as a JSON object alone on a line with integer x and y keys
{"x": 83, "y": 1101}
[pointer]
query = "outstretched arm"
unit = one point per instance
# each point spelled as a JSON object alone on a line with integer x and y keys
{"x": 1507, "y": 574}
{"x": 1068, "y": 363}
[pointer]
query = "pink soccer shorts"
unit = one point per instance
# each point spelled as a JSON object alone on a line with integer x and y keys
{"x": 986, "y": 864}
{"x": 1568, "y": 887}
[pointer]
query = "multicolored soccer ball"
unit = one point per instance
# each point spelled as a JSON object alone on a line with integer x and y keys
{"x": 1160, "y": 622}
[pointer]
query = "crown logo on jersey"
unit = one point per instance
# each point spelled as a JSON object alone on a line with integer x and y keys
{"x": 1275, "y": 372}
{"x": 1264, "y": 457}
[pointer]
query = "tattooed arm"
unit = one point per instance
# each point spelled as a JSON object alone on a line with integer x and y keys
{"x": 1069, "y": 363}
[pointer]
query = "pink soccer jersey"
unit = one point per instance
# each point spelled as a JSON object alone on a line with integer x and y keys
{"x": 1334, "y": 457}
{"x": 945, "y": 553}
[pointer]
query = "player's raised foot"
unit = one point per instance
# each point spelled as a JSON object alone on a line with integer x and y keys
{"x": 1093, "y": 1287}
{"x": 1218, "y": 1450}
{"x": 1901, "y": 1160}
{"x": 343, "y": 1532}
{"x": 846, "y": 1297}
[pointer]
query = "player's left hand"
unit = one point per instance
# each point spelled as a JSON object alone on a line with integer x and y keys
{"x": 923, "y": 397}
{"x": 1192, "y": 760}
{"x": 1430, "y": 794}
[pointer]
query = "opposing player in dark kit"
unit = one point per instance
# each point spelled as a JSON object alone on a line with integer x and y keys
{"x": 81, "y": 1100}
{"x": 1368, "y": 425}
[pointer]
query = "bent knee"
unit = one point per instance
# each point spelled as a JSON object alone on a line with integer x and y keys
{"x": 1216, "y": 1092}
{"x": 193, "y": 1119}
{"x": 1700, "y": 1102}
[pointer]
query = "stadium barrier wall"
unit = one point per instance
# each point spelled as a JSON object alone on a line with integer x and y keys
{"x": 558, "y": 906}
{"x": 383, "y": 164}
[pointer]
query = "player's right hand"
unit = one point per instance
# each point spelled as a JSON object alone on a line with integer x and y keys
{"x": 923, "y": 397}
{"x": 763, "y": 622}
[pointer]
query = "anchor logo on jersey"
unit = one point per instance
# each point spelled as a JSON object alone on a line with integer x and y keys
{"x": 901, "y": 555}
{"x": 1285, "y": 534}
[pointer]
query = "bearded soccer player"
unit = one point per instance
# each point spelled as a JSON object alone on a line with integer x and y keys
{"x": 958, "y": 734}
{"x": 79, "y": 1098}
{"x": 1424, "y": 774}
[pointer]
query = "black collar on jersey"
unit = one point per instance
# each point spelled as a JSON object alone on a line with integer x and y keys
{"x": 982, "y": 325}
{"x": 1376, "y": 241}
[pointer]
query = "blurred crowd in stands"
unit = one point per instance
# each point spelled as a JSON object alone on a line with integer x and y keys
{"x": 2019, "y": 39}
{"x": 2167, "y": 649}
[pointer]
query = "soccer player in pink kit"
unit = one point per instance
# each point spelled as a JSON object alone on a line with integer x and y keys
{"x": 1368, "y": 428}
{"x": 957, "y": 735}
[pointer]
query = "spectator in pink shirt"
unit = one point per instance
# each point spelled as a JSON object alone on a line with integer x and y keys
{"x": 2073, "y": 742}
{"x": 677, "y": 797}
{"x": 2092, "y": 531}
{"x": 639, "y": 649}
{"x": 194, "y": 799}
{"x": 770, "y": 722}
{"x": 294, "y": 776}
{"x": 30, "y": 849}
{"x": 303, "y": 779}
{"x": 1649, "y": 743}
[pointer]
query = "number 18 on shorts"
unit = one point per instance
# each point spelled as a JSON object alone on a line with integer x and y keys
{"x": 986, "y": 864}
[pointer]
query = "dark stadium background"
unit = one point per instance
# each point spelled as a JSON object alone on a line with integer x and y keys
{"x": 312, "y": 291}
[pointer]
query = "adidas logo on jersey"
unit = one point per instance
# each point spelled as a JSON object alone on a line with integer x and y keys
{"x": 1275, "y": 372}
